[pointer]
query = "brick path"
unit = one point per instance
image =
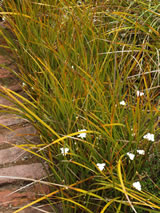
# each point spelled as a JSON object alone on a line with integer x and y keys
{"x": 15, "y": 162}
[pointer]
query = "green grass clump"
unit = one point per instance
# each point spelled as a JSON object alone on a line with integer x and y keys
{"x": 90, "y": 66}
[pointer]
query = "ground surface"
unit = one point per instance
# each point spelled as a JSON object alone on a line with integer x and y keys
{"x": 16, "y": 165}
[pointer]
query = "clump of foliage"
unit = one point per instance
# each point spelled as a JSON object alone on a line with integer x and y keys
{"x": 91, "y": 72}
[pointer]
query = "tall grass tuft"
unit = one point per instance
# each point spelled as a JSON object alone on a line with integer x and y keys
{"x": 91, "y": 72}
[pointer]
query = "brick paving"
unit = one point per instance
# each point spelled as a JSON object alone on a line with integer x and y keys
{"x": 17, "y": 167}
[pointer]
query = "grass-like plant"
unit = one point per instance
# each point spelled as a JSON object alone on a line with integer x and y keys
{"x": 91, "y": 73}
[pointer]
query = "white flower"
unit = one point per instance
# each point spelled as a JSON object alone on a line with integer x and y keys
{"x": 133, "y": 134}
{"x": 149, "y": 137}
{"x": 137, "y": 185}
{"x": 64, "y": 150}
{"x": 101, "y": 166}
{"x": 23, "y": 84}
{"x": 139, "y": 93}
{"x": 82, "y": 135}
{"x": 3, "y": 18}
{"x": 122, "y": 103}
{"x": 130, "y": 155}
{"x": 79, "y": 2}
{"x": 141, "y": 152}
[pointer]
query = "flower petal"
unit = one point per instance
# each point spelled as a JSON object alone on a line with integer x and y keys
{"x": 101, "y": 166}
{"x": 130, "y": 155}
{"x": 149, "y": 137}
{"x": 64, "y": 150}
{"x": 137, "y": 185}
{"x": 140, "y": 93}
{"x": 82, "y": 135}
{"x": 123, "y": 103}
{"x": 141, "y": 152}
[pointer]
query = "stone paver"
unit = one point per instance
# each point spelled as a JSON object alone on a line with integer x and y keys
{"x": 20, "y": 135}
{"x": 22, "y": 131}
{"x": 5, "y": 102}
{"x": 10, "y": 155}
{"x": 5, "y": 74}
{"x": 37, "y": 209}
{"x": 3, "y": 60}
{"x": 15, "y": 87}
{"x": 22, "y": 172}
{"x": 10, "y": 120}
{"x": 17, "y": 198}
